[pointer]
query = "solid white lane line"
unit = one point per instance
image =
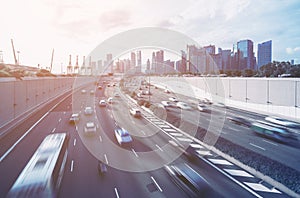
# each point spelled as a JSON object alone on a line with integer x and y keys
{"x": 53, "y": 130}
{"x": 270, "y": 142}
{"x": 117, "y": 194}
{"x": 158, "y": 147}
{"x": 74, "y": 143}
{"x": 76, "y": 128}
{"x": 159, "y": 188}
{"x": 59, "y": 120}
{"x": 257, "y": 146}
{"x": 21, "y": 138}
{"x": 134, "y": 152}
{"x": 105, "y": 157}
{"x": 100, "y": 138}
{"x": 72, "y": 165}
{"x": 143, "y": 132}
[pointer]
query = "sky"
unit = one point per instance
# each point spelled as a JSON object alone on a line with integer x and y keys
{"x": 77, "y": 27}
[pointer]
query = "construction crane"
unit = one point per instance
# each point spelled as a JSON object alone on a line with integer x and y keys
{"x": 51, "y": 60}
{"x": 16, "y": 61}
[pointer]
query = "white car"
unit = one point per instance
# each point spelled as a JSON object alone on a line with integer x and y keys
{"x": 83, "y": 91}
{"x": 122, "y": 136}
{"x": 90, "y": 128}
{"x": 202, "y": 107}
{"x": 135, "y": 112}
{"x": 117, "y": 95}
{"x": 74, "y": 118}
{"x": 166, "y": 103}
{"x": 102, "y": 103}
{"x": 92, "y": 92}
{"x": 173, "y": 99}
{"x": 110, "y": 100}
{"x": 88, "y": 111}
{"x": 183, "y": 105}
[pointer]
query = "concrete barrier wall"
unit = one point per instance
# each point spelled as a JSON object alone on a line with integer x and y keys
{"x": 19, "y": 96}
{"x": 271, "y": 92}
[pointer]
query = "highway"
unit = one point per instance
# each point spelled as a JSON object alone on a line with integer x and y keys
{"x": 217, "y": 118}
{"x": 133, "y": 171}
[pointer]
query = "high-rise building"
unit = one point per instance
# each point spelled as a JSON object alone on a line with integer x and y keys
{"x": 225, "y": 54}
{"x": 159, "y": 59}
{"x": 109, "y": 63}
{"x": 133, "y": 60}
{"x": 139, "y": 62}
{"x": 245, "y": 55}
{"x": 264, "y": 53}
{"x": 153, "y": 63}
{"x": 211, "y": 49}
{"x": 196, "y": 59}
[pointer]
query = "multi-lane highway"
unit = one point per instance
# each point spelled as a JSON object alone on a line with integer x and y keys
{"x": 133, "y": 171}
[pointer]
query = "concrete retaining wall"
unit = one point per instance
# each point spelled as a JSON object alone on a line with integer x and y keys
{"x": 19, "y": 96}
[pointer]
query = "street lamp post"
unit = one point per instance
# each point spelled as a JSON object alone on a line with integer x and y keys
{"x": 18, "y": 57}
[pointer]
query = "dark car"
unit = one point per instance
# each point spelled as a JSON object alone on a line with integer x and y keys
{"x": 239, "y": 121}
{"x": 189, "y": 180}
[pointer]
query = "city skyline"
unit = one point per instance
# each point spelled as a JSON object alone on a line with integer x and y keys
{"x": 77, "y": 27}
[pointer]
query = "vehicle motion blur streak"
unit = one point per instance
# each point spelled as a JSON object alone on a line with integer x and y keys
{"x": 42, "y": 176}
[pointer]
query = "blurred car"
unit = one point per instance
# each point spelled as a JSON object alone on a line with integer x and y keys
{"x": 239, "y": 121}
{"x": 183, "y": 105}
{"x": 122, "y": 136}
{"x": 99, "y": 87}
{"x": 135, "y": 112}
{"x": 220, "y": 104}
{"x": 88, "y": 111}
{"x": 166, "y": 103}
{"x": 139, "y": 95}
{"x": 92, "y": 92}
{"x": 203, "y": 107}
{"x": 110, "y": 100}
{"x": 167, "y": 91}
{"x": 206, "y": 101}
{"x": 283, "y": 122}
{"x": 173, "y": 99}
{"x": 83, "y": 91}
{"x": 90, "y": 128}
{"x": 272, "y": 131}
{"x": 74, "y": 118}
{"x": 117, "y": 95}
{"x": 189, "y": 180}
{"x": 102, "y": 103}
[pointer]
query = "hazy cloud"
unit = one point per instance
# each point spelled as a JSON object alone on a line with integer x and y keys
{"x": 114, "y": 18}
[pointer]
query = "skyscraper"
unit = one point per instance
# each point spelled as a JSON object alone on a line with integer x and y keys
{"x": 133, "y": 60}
{"x": 245, "y": 55}
{"x": 264, "y": 53}
{"x": 139, "y": 62}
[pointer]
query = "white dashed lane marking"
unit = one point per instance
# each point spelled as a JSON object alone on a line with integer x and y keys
{"x": 204, "y": 152}
{"x": 240, "y": 173}
{"x": 176, "y": 134}
{"x": 158, "y": 147}
{"x": 184, "y": 139}
{"x": 260, "y": 187}
{"x": 169, "y": 130}
{"x": 220, "y": 161}
{"x": 196, "y": 146}
{"x": 257, "y": 146}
